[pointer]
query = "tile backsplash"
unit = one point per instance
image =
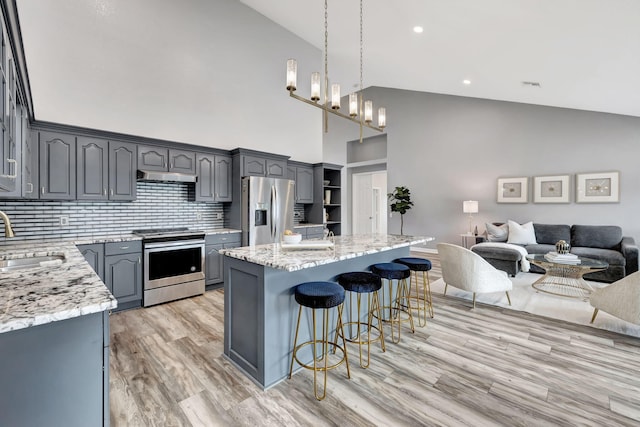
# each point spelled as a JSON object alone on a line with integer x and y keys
{"x": 158, "y": 205}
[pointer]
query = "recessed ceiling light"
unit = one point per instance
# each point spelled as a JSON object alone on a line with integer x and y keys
{"x": 466, "y": 82}
{"x": 418, "y": 29}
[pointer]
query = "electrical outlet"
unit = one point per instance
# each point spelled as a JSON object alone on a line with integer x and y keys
{"x": 199, "y": 216}
{"x": 219, "y": 215}
{"x": 64, "y": 221}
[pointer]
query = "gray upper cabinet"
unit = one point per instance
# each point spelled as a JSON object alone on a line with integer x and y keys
{"x": 122, "y": 171}
{"x": 302, "y": 174}
{"x": 214, "y": 178}
{"x": 260, "y": 166}
{"x": 57, "y": 166}
{"x": 182, "y": 161}
{"x": 153, "y": 158}
{"x": 222, "y": 178}
{"x": 30, "y": 165}
{"x": 106, "y": 170}
{"x": 92, "y": 168}
{"x": 161, "y": 159}
{"x": 9, "y": 152}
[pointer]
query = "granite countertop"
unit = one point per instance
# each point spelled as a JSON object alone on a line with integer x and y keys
{"x": 272, "y": 255}
{"x": 40, "y": 295}
{"x": 34, "y": 296}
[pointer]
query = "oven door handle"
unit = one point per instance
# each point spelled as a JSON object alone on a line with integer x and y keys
{"x": 173, "y": 244}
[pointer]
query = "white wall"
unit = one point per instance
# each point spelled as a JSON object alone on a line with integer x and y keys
{"x": 205, "y": 72}
{"x": 447, "y": 149}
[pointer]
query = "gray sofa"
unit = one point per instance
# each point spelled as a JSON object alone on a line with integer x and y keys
{"x": 602, "y": 242}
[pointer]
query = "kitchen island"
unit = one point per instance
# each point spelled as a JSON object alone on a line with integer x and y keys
{"x": 54, "y": 339}
{"x": 259, "y": 308}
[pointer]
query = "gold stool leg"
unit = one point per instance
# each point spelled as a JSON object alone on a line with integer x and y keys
{"x": 427, "y": 292}
{"x": 295, "y": 343}
{"x": 595, "y": 313}
{"x": 376, "y": 301}
{"x": 344, "y": 342}
{"x": 405, "y": 294}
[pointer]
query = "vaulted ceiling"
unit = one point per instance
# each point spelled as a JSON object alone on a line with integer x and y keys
{"x": 585, "y": 54}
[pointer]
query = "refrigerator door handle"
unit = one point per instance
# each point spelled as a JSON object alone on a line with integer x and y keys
{"x": 273, "y": 211}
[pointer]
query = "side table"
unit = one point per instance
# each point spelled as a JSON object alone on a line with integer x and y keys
{"x": 469, "y": 240}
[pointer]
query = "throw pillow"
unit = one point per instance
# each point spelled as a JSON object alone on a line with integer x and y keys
{"x": 521, "y": 234}
{"x": 497, "y": 233}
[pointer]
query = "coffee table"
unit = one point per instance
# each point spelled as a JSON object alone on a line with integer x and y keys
{"x": 565, "y": 279}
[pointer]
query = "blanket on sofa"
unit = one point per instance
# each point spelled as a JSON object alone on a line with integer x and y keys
{"x": 524, "y": 262}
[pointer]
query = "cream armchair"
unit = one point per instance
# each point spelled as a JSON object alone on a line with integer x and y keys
{"x": 620, "y": 299}
{"x": 468, "y": 271}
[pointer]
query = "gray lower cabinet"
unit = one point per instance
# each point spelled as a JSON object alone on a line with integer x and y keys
{"x": 316, "y": 232}
{"x": 57, "y": 164}
{"x": 56, "y": 374}
{"x": 123, "y": 272}
{"x": 119, "y": 265}
{"x": 94, "y": 254}
{"x": 213, "y": 260}
{"x": 166, "y": 159}
{"x": 214, "y": 178}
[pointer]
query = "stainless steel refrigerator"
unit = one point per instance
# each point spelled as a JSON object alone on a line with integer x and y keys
{"x": 267, "y": 209}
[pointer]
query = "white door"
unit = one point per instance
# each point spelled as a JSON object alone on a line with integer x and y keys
{"x": 369, "y": 203}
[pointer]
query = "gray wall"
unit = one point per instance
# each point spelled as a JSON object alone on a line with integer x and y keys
{"x": 159, "y": 205}
{"x": 447, "y": 149}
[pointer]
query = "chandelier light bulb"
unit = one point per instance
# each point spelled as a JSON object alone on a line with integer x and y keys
{"x": 292, "y": 74}
{"x": 368, "y": 111}
{"x": 335, "y": 96}
{"x": 353, "y": 104}
{"x": 315, "y": 86}
{"x": 382, "y": 117}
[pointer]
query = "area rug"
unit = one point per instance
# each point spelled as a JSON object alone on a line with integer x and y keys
{"x": 525, "y": 298}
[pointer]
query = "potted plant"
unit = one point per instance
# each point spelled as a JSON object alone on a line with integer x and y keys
{"x": 401, "y": 198}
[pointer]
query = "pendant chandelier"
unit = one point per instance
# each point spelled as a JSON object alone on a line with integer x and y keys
{"x": 360, "y": 111}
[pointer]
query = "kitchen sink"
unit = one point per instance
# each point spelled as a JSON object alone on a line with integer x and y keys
{"x": 30, "y": 262}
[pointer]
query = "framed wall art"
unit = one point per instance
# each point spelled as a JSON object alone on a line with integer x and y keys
{"x": 598, "y": 187}
{"x": 551, "y": 189}
{"x": 513, "y": 190}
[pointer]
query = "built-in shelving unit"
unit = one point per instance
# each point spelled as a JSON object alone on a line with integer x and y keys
{"x": 327, "y": 188}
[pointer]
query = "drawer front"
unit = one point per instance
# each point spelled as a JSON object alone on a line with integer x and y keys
{"x": 214, "y": 239}
{"x": 117, "y": 248}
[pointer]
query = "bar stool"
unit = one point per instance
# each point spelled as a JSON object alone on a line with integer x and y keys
{"x": 416, "y": 265}
{"x": 363, "y": 282}
{"x": 400, "y": 303}
{"x": 320, "y": 295}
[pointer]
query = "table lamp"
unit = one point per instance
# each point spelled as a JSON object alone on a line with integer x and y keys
{"x": 470, "y": 207}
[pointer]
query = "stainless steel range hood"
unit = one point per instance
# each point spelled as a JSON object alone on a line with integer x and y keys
{"x": 165, "y": 176}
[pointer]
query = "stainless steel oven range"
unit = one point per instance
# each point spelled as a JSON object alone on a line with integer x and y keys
{"x": 173, "y": 264}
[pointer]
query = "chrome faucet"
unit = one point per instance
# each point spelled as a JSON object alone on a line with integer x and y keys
{"x": 8, "y": 231}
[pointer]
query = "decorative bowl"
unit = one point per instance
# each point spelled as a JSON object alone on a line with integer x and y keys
{"x": 326, "y": 182}
{"x": 563, "y": 247}
{"x": 292, "y": 238}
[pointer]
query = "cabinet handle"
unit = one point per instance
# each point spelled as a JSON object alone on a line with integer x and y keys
{"x": 30, "y": 188}
{"x": 124, "y": 247}
{"x": 104, "y": 191}
{"x": 164, "y": 164}
{"x": 139, "y": 260}
{"x": 42, "y": 190}
{"x": 171, "y": 165}
{"x": 15, "y": 169}
{"x": 111, "y": 191}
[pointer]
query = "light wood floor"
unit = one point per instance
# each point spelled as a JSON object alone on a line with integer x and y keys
{"x": 487, "y": 366}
